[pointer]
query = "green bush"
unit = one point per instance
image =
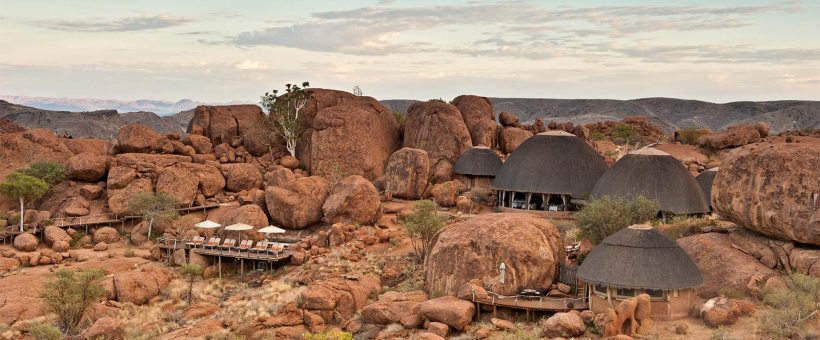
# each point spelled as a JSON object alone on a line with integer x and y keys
{"x": 400, "y": 117}
{"x": 791, "y": 309}
{"x": 721, "y": 333}
{"x": 625, "y": 134}
{"x": 75, "y": 239}
{"x": 41, "y": 331}
{"x": 422, "y": 225}
{"x": 49, "y": 171}
{"x": 597, "y": 135}
{"x": 481, "y": 195}
{"x": 69, "y": 294}
{"x": 605, "y": 216}
{"x": 691, "y": 136}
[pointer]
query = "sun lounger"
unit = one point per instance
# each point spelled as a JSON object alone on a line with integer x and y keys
{"x": 260, "y": 248}
{"x": 227, "y": 245}
{"x": 196, "y": 241}
{"x": 212, "y": 243}
{"x": 244, "y": 245}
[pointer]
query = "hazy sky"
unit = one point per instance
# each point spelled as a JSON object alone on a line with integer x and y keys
{"x": 215, "y": 51}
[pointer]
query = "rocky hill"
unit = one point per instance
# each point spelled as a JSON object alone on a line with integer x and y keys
{"x": 669, "y": 113}
{"x": 159, "y": 107}
{"x": 102, "y": 124}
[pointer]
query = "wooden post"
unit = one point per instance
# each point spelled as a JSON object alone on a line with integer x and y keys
{"x": 529, "y": 195}
{"x": 220, "y": 267}
{"x": 242, "y": 268}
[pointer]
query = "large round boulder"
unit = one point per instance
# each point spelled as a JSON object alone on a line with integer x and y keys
{"x": 773, "y": 189}
{"x": 478, "y": 116}
{"x": 353, "y": 200}
{"x": 223, "y": 124}
{"x": 106, "y": 235}
{"x": 731, "y": 137}
{"x": 52, "y": 234}
{"x": 530, "y": 248}
{"x": 251, "y": 215}
{"x": 140, "y": 285}
{"x": 297, "y": 204}
{"x": 137, "y": 138}
{"x": 408, "y": 173}
{"x": 87, "y": 167}
{"x": 353, "y": 138}
{"x": 439, "y": 129}
{"x": 509, "y": 138}
{"x": 26, "y": 242}
{"x": 179, "y": 183}
{"x": 241, "y": 176}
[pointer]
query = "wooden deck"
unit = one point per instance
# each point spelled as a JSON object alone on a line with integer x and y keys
{"x": 530, "y": 304}
{"x": 170, "y": 246}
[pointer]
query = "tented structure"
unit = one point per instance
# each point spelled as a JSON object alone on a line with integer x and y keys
{"x": 655, "y": 175}
{"x": 705, "y": 180}
{"x": 548, "y": 170}
{"x": 477, "y": 167}
{"x": 638, "y": 260}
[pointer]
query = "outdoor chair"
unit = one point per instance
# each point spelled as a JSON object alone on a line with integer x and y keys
{"x": 245, "y": 245}
{"x": 212, "y": 243}
{"x": 260, "y": 248}
{"x": 196, "y": 241}
{"x": 275, "y": 249}
{"x": 228, "y": 244}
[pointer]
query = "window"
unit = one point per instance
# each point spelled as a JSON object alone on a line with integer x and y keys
{"x": 599, "y": 290}
{"x": 656, "y": 294}
{"x": 625, "y": 292}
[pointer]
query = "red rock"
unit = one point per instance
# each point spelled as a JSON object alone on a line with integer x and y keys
{"x": 179, "y": 183}
{"x": 732, "y": 137}
{"x": 503, "y": 324}
{"x": 201, "y": 144}
{"x": 438, "y": 328}
{"x": 87, "y": 167}
{"x": 508, "y": 119}
{"x": 445, "y": 194}
{"x": 439, "y": 129}
{"x": 242, "y": 176}
{"x": 509, "y": 138}
{"x": 564, "y": 325}
{"x": 250, "y": 214}
{"x": 223, "y": 124}
{"x": 720, "y": 311}
{"x": 118, "y": 198}
{"x": 353, "y": 200}
{"x": 449, "y": 310}
{"x": 105, "y": 328}
{"x": 289, "y": 162}
{"x": 142, "y": 284}
{"x": 520, "y": 241}
{"x": 393, "y": 307}
{"x": 107, "y": 235}
{"x": 26, "y": 242}
{"x": 279, "y": 177}
{"x": 137, "y": 138}
{"x": 408, "y": 172}
{"x": 299, "y": 203}
{"x": 478, "y": 116}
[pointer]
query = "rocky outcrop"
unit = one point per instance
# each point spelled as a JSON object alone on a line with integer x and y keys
{"x": 439, "y": 129}
{"x": 449, "y": 310}
{"x": 479, "y": 119}
{"x": 251, "y": 215}
{"x": 118, "y": 198}
{"x": 105, "y": 328}
{"x": 732, "y": 137}
{"x": 392, "y": 307}
{"x": 564, "y": 325}
{"x": 179, "y": 183}
{"x": 87, "y": 167}
{"x": 224, "y": 124}
{"x": 630, "y": 318}
{"x": 54, "y": 234}
{"x": 408, "y": 173}
{"x": 530, "y": 247}
{"x": 723, "y": 265}
{"x": 298, "y": 204}
{"x": 339, "y": 298}
{"x": 241, "y": 176}
{"x": 508, "y": 119}
{"x": 137, "y": 138}
{"x": 353, "y": 138}
{"x": 509, "y": 138}
{"x": 140, "y": 285}
{"x": 353, "y": 200}
{"x": 783, "y": 256}
{"x": 773, "y": 189}
{"x": 106, "y": 235}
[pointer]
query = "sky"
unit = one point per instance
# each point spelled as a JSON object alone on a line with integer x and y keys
{"x": 220, "y": 51}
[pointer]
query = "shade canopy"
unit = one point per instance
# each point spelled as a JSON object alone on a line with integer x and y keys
{"x": 656, "y": 175}
{"x": 239, "y": 227}
{"x": 272, "y": 230}
{"x": 552, "y": 162}
{"x": 478, "y": 161}
{"x": 207, "y": 224}
{"x": 640, "y": 257}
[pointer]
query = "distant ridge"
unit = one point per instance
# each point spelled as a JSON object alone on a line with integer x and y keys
{"x": 667, "y": 113}
{"x": 160, "y": 107}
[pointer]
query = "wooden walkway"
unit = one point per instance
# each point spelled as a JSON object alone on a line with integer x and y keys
{"x": 170, "y": 246}
{"x": 530, "y": 304}
{"x": 88, "y": 221}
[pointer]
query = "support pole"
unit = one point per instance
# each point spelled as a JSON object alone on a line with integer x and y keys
{"x": 220, "y": 267}
{"x": 564, "y": 199}
{"x": 529, "y": 196}
{"x": 242, "y": 268}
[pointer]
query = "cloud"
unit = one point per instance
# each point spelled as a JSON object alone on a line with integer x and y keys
{"x": 247, "y": 65}
{"x": 135, "y": 23}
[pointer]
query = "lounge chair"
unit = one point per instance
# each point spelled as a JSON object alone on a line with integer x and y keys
{"x": 275, "y": 249}
{"x": 244, "y": 245}
{"x": 196, "y": 241}
{"x": 212, "y": 243}
{"x": 227, "y": 245}
{"x": 260, "y": 248}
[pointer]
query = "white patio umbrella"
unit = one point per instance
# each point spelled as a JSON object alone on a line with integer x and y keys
{"x": 239, "y": 227}
{"x": 207, "y": 224}
{"x": 272, "y": 230}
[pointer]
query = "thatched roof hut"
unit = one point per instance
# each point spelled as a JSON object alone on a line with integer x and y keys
{"x": 705, "y": 180}
{"x": 640, "y": 257}
{"x": 554, "y": 162}
{"x": 656, "y": 175}
{"x": 478, "y": 161}
{"x": 640, "y": 260}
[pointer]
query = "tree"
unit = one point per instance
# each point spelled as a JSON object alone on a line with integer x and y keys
{"x": 790, "y": 309}
{"x": 283, "y": 116}
{"x": 154, "y": 207}
{"x": 422, "y": 225}
{"x": 70, "y": 293}
{"x": 23, "y": 187}
{"x": 357, "y": 91}
{"x": 49, "y": 171}
{"x": 605, "y": 216}
{"x": 192, "y": 272}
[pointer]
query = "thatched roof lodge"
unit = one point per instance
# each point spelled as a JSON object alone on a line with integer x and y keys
{"x": 477, "y": 167}
{"x": 638, "y": 260}
{"x": 705, "y": 180}
{"x": 656, "y": 175}
{"x": 548, "y": 170}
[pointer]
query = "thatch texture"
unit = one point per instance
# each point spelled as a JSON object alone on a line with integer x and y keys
{"x": 641, "y": 258}
{"x": 551, "y": 163}
{"x": 655, "y": 175}
{"x": 705, "y": 180}
{"x": 478, "y": 161}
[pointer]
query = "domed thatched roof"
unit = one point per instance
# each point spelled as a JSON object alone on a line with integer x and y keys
{"x": 640, "y": 257}
{"x": 655, "y": 175}
{"x": 705, "y": 180}
{"x": 552, "y": 162}
{"x": 478, "y": 161}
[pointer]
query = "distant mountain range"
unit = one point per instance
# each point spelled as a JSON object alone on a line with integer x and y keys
{"x": 83, "y": 118}
{"x": 668, "y": 113}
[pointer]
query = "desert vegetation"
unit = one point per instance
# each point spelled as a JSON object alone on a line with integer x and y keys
{"x": 605, "y": 216}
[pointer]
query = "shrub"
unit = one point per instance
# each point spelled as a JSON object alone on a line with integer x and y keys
{"x": 41, "y": 331}
{"x": 790, "y": 309}
{"x": 597, "y": 135}
{"x": 70, "y": 293}
{"x": 691, "y": 136}
{"x": 329, "y": 335}
{"x": 721, "y": 333}
{"x": 129, "y": 253}
{"x": 400, "y": 117}
{"x": 605, "y": 216}
{"x": 481, "y": 195}
{"x": 75, "y": 239}
{"x": 625, "y": 134}
{"x": 49, "y": 171}
{"x": 732, "y": 293}
{"x": 192, "y": 272}
{"x": 422, "y": 225}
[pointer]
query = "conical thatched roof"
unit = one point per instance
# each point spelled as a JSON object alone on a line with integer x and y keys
{"x": 705, "y": 180}
{"x": 552, "y": 162}
{"x": 478, "y": 161}
{"x": 656, "y": 175}
{"x": 640, "y": 257}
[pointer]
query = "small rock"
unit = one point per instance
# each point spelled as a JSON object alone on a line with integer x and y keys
{"x": 681, "y": 329}
{"x": 503, "y": 324}
{"x": 438, "y": 328}
{"x": 101, "y": 246}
